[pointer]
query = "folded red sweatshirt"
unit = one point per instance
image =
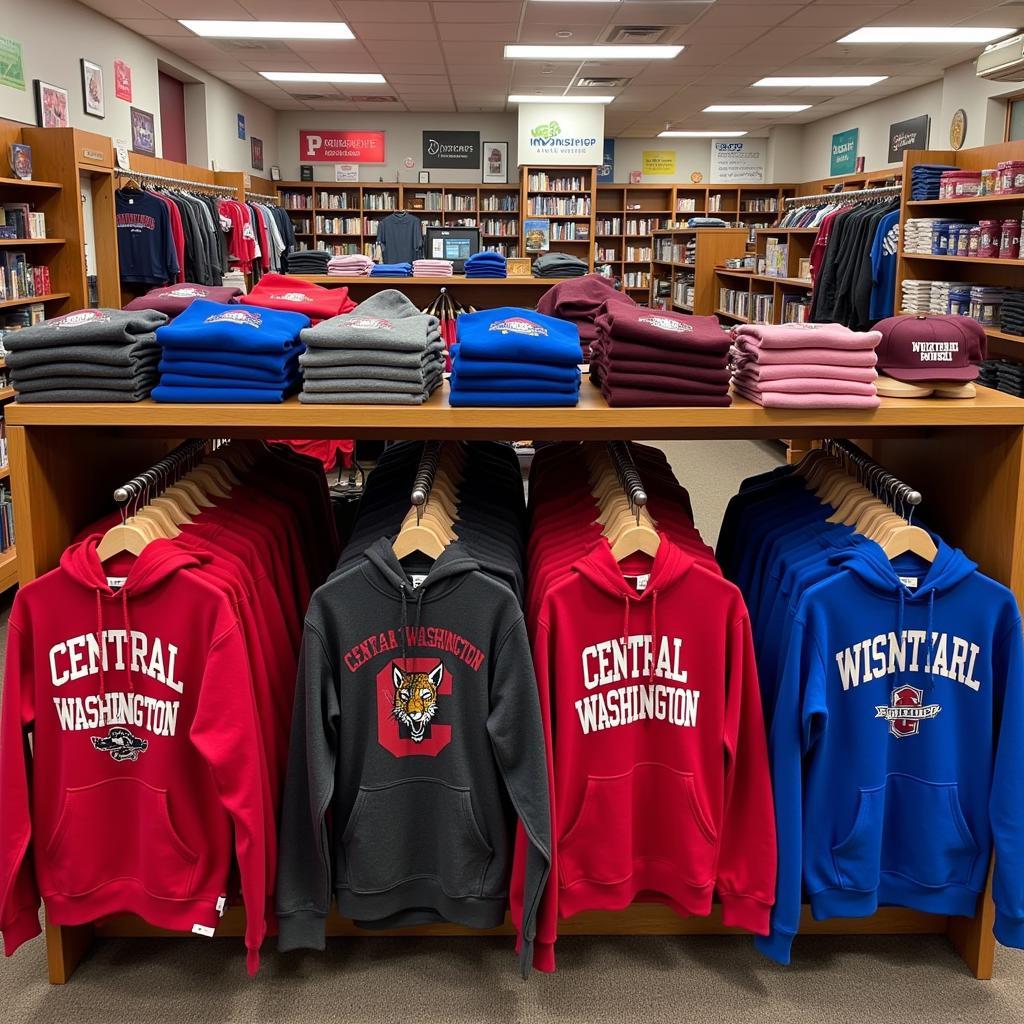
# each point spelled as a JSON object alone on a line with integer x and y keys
{"x": 640, "y": 397}
{"x": 661, "y": 328}
{"x": 830, "y": 336}
{"x": 621, "y": 348}
{"x": 661, "y": 382}
{"x": 280, "y": 291}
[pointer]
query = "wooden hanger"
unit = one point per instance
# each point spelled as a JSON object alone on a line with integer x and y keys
{"x": 210, "y": 481}
{"x": 636, "y": 536}
{"x": 418, "y": 537}
{"x": 189, "y": 495}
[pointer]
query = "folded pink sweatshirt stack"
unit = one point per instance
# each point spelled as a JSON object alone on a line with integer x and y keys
{"x": 353, "y": 265}
{"x": 432, "y": 268}
{"x": 805, "y": 366}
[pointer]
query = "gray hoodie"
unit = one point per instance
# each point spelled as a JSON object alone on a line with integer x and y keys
{"x": 416, "y": 747}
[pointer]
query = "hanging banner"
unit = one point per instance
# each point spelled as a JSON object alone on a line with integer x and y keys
{"x": 844, "y": 153}
{"x": 12, "y": 65}
{"x": 606, "y": 172}
{"x": 909, "y": 134}
{"x": 452, "y": 149}
{"x": 738, "y": 161}
{"x": 334, "y": 147}
{"x": 659, "y": 161}
{"x": 561, "y": 134}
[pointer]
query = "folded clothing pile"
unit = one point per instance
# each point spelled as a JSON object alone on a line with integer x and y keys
{"x": 308, "y": 261}
{"x": 706, "y": 222}
{"x": 91, "y": 355}
{"x": 1011, "y": 315}
{"x": 385, "y": 352}
{"x": 925, "y": 180}
{"x": 805, "y": 366}
{"x": 353, "y": 265}
{"x": 391, "y": 270}
{"x": 176, "y": 298}
{"x": 486, "y": 264}
{"x": 559, "y": 264}
{"x": 580, "y": 301}
{"x": 648, "y": 357}
{"x": 219, "y": 353}
{"x": 512, "y": 356}
{"x": 432, "y": 268}
{"x": 290, "y": 295}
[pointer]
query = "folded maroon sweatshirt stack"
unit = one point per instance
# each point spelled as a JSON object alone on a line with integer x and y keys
{"x": 805, "y": 366}
{"x": 645, "y": 357}
{"x": 580, "y": 300}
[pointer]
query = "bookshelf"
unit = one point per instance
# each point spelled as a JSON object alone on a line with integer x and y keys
{"x": 565, "y": 197}
{"x": 683, "y": 268}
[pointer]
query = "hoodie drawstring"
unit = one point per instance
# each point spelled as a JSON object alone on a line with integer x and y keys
{"x": 128, "y": 639}
{"x": 931, "y": 640}
{"x": 899, "y": 635}
{"x": 99, "y": 642}
{"x": 654, "y": 633}
{"x": 625, "y": 620}
{"x": 405, "y": 623}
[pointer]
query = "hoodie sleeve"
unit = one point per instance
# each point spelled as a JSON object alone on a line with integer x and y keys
{"x": 747, "y": 860}
{"x": 518, "y": 739}
{"x": 798, "y": 719}
{"x": 225, "y": 731}
{"x": 304, "y": 863}
{"x": 19, "y": 895}
{"x": 1006, "y": 809}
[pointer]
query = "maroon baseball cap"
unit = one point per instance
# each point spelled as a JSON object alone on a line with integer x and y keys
{"x": 929, "y": 349}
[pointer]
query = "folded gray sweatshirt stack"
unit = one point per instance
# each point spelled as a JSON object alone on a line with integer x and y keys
{"x": 384, "y": 352}
{"x": 91, "y": 355}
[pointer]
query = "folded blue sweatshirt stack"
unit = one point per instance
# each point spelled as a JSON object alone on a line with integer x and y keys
{"x": 391, "y": 270}
{"x": 512, "y": 356}
{"x": 222, "y": 353}
{"x": 486, "y": 264}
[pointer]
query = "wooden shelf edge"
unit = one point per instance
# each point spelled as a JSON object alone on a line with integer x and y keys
{"x": 51, "y": 297}
{"x": 8, "y": 568}
{"x": 981, "y": 261}
{"x": 56, "y": 186}
{"x": 32, "y": 241}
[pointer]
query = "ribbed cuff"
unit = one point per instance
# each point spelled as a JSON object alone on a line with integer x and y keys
{"x": 24, "y": 927}
{"x": 303, "y": 929}
{"x": 745, "y": 912}
{"x": 778, "y": 946}
{"x": 1009, "y": 930}
{"x": 544, "y": 956}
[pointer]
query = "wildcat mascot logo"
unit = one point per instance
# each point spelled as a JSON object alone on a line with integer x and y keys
{"x": 408, "y": 695}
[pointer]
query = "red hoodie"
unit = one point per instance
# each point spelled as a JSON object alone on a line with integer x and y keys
{"x": 144, "y": 774}
{"x": 293, "y": 295}
{"x": 661, "y": 784}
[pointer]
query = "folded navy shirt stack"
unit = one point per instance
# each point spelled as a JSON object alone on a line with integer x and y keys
{"x": 91, "y": 355}
{"x": 924, "y": 180}
{"x": 486, "y": 264}
{"x": 385, "y": 352}
{"x": 391, "y": 270}
{"x": 220, "y": 353}
{"x": 512, "y": 356}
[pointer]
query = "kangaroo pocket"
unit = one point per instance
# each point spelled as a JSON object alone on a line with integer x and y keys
{"x": 417, "y": 828}
{"x": 907, "y": 827}
{"x": 119, "y": 829}
{"x": 650, "y": 813}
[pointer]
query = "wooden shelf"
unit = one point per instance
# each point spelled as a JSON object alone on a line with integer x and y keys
{"x": 19, "y": 242}
{"x": 455, "y": 279}
{"x": 981, "y": 261}
{"x": 797, "y": 282}
{"x": 786, "y": 231}
{"x": 52, "y": 297}
{"x": 435, "y": 418}
{"x": 6, "y": 394}
{"x": 1000, "y": 197}
{"x": 559, "y": 216}
{"x": 680, "y": 308}
{"x": 5, "y": 472}
{"x": 733, "y": 316}
{"x": 53, "y": 186}
{"x": 8, "y": 568}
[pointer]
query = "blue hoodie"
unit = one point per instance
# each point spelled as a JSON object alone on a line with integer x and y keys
{"x": 897, "y": 745}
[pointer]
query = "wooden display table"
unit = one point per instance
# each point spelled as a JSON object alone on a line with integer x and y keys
{"x": 966, "y": 457}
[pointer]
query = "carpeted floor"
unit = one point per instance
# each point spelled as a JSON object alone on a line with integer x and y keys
{"x": 601, "y": 980}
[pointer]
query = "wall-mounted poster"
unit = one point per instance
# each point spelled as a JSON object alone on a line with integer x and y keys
{"x": 92, "y": 89}
{"x": 333, "y": 147}
{"x": 51, "y": 105}
{"x": 495, "y": 163}
{"x": 122, "y": 81}
{"x": 537, "y": 234}
{"x": 843, "y": 157}
{"x": 659, "y": 161}
{"x": 561, "y": 134}
{"x": 909, "y": 134}
{"x": 606, "y": 172}
{"x": 738, "y": 161}
{"x": 257, "y": 153}
{"x": 143, "y": 132}
{"x": 241, "y": 126}
{"x": 451, "y": 149}
{"x": 12, "y": 65}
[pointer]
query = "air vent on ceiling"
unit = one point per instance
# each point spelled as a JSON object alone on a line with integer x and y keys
{"x": 250, "y": 45}
{"x": 314, "y": 96}
{"x": 636, "y": 33}
{"x": 372, "y": 99}
{"x": 602, "y": 83}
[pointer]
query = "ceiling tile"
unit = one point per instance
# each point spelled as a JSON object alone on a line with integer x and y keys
{"x": 462, "y": 32}
{"x": 490, "y": 11}
{"x": 299, "y": 10}
{"x": 395, "y": 30}
{"x": 384, "y": 10}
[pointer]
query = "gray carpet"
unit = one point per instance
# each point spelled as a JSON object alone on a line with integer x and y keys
{"x": 847, "y": 980}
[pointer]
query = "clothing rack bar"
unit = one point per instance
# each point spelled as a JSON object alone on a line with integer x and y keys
{"x": 170, "y": 465}
{"x": 861, "y": 195}
{"x": 424, "y": 479}
{"x": 629, "y": 475}
{"x": 174, "y": 181}
{"x": 873, "y": 475}
{"x": 262, "y": 198}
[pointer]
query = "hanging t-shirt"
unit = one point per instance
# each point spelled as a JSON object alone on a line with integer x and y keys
{"x": 145, "y": 243}
{"x": 883, "y": 266}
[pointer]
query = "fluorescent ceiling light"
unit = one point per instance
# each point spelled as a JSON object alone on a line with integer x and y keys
{"x": 322, "y": 76}
{"x": 923, "y": 34}
{"x": 560, "y": 99}
{"x": 518, "y": 51}
{"x": 753, "y": 108}
{"x": 699, "y": 135}
{"x": 270, "y": 29}
{"x": 838, "y": 81}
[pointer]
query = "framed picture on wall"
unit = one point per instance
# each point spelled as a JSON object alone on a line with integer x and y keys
{"x": 122, "y": 81}
{"x": 275, "y": 173}
{"x": 495, "y": 163}
{"x": 256, "y": 145}
{"x": 143, "y": 132}
{"x": 92, "y": 89}
{"x": 424, "y": 177}
{"x": 52, "y": 109}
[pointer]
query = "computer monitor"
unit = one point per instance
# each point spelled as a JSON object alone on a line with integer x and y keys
{"x": 455, "y": 244}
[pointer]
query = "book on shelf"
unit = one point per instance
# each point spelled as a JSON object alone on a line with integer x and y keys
{"x": 537, "y": 234}
{"x": 541, "y": 181}
{"x": 20, "y": 157}
{"x": 776, "y": 258}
